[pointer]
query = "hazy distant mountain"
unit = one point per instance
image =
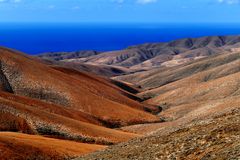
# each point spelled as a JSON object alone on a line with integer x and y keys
{"x": 150, "y": 55}
{"x": 57, "y": 56}
{"x": 166, "y": 54}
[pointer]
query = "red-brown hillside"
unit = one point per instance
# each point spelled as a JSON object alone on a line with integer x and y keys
{"x": 17, "y": 115}
{"x": 62, "y": 103}
{"x": 22, "y": 75}
{"x": 23, "y": 146}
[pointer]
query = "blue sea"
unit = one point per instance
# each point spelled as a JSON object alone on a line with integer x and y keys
{"x": 35, "y": 38}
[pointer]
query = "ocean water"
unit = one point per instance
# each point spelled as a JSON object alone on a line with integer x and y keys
{"x": 35, "y": 38}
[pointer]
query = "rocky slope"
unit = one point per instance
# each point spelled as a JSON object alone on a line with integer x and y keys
{"x": 201, "y": 107}
{"x": 215, "y": 138}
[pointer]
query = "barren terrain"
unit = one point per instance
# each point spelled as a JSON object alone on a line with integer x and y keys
{"x": 175, "y": 100}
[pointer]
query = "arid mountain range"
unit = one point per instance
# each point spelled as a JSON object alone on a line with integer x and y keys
{"x": 149, "y": 56}
{"x": 175, "y": 100}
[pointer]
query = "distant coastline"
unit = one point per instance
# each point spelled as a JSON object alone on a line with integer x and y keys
{"x": 35, "y": 38}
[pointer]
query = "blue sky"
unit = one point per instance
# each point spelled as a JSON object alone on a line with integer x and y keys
{"x": 123, "y": 11}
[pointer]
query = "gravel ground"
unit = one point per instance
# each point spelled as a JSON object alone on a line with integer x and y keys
{"x": 217, "y": 138}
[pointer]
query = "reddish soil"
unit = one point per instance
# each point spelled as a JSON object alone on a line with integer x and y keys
{"x": 23, "y": 146}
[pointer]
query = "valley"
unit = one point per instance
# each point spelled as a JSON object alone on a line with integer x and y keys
{"x": 171, "y": 100}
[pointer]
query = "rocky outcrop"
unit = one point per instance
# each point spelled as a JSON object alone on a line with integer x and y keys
{"x": 4, "y": 83}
